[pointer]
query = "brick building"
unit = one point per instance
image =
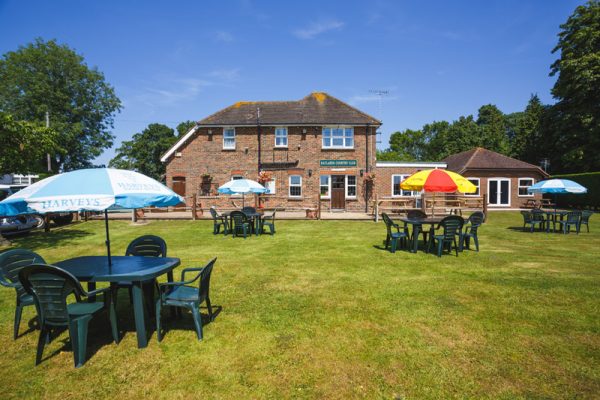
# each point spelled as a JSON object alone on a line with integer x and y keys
{"x": 317, "y": 148}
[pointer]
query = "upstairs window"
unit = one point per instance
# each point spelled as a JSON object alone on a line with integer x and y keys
{"x": 229, "y": 138}
{"x": 338, "y": 138}
{"x": 295, "y": 186}
{"x": 281, "y": 137}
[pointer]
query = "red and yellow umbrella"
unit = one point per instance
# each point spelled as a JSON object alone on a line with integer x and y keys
{"x": 438, "y": 180}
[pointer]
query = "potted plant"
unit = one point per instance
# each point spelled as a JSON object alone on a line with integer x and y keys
{"x": 264, "y": 177}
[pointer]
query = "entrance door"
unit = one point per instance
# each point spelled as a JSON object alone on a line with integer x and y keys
{"x": 499, "y": 192}
{"x": 338, "y": 192}
{"x": 179, "y": 188}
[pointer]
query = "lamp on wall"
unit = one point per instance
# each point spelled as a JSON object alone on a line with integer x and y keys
{"x": 310, "y": 172}
{"x": 362, "y": 172}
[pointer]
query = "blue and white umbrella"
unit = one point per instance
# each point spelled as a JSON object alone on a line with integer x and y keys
{"x": 557, "y": 186}
{"x": 241, "y": 186}
{"x": 95, "y": 189}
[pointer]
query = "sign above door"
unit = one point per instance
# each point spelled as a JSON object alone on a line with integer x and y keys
{"x": 338, "y": 163}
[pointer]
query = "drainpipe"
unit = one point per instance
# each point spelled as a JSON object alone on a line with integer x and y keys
{"x": 366, "y": 166}
{"x": 259, "y": 137}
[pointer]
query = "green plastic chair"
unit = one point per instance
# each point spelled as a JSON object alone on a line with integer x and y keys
{"x": 50, "y": 287}
{"x": 268, "y": 219}
{"x": 451, "y": 226}
{"x": 179, "y": 294}
{"x": 471, "y": 226}
{"x": 11, "y": 262}
{"x": 533, "y": 218}
{"x": 394, "y": 237}
{"x": 585, "y": 219}
{"x": 240, "y": 225}
{"x": 218, "y": 221}
{"x": 572, "y": 219}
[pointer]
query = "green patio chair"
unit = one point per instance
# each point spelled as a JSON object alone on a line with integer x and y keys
{"x": 585, "y": 219}
{"x": 268, "y": 219}
{"x": 218, "y": 221}
{"x": 394, "y": 237}
{"x": 240, "y": 225}
{"x": 179, "y": 294}
{"x": 144, "y": 246}
{"x": 11, "y": 262}
{"x": 471, "y": 226}
{"x": 533, "y": 218}
{"x": 50, "y": 287}
{"x": 451, "y": 225}
{"x": 572, "y": 219}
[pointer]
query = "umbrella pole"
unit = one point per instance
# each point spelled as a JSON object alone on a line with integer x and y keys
{"x": 107, "y": 237}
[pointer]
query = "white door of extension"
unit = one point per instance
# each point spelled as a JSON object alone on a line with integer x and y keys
{"x": 499, "y": 192}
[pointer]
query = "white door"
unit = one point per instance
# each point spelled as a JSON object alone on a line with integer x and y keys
{"x": 499, "y": 192}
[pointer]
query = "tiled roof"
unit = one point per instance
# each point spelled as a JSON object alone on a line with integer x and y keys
{"x": 480, "y": 158}
{"x": 317, "y": 108}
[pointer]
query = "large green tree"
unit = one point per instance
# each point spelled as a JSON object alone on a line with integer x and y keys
{"x": 142, "y": 153}
{"x": 574, "y": 121}
{"x": 47, "y": 77}
{"x": 408, "y": 145}
{"x": 184, "y": 127}
{"x": 493, "y": 130}
{"x": 527, "y": 138}
{"x": 25, "y": 145}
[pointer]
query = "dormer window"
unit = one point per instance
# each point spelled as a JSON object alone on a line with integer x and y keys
{"x": 338, "y": 137}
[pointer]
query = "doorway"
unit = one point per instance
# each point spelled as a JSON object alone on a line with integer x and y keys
{"x": 338, "y": 192}
{"x": 499, "y": 192}
{"x": 179, "y": 188}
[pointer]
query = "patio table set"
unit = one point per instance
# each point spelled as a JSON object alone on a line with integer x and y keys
{"x": 49, "y": 287}
{"x": 243, "y": 222}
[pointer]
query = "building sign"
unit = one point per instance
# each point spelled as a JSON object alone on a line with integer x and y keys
{"x": 338, "y": 163}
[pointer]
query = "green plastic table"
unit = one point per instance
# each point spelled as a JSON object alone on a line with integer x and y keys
{"x": 417, "y": 224}
{"x": 132, "y": 269}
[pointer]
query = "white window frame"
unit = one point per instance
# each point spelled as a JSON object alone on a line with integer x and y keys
{"x": 271, "y": 186}
{"x": 413, "y": 193}
{"x": 519, "y": 187}
{"x": 233, "y": 178}
{"x": 229, "y": 147}
{"x": 478, "y": 187}
{"x": 331, "y": 145}
{"x": 355, "y": 187}
{"x": 290, "y": 186}
{"x": 499, "y": 179}
{"x": 328, "y": 196}
{"x": 285, "y": 136}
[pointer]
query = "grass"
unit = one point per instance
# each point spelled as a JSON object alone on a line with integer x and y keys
{"x": 321, "y": 311}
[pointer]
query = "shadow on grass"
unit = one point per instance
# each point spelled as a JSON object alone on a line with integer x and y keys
{"x": 184, "y": 321}
{"x": 525, "y": 230}
{"x": 39, "y": 240}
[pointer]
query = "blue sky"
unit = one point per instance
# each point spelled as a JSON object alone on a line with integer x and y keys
{"x": 171, "y": 61}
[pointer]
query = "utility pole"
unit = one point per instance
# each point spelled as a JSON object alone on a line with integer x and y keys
{"x": 48, "y": 154}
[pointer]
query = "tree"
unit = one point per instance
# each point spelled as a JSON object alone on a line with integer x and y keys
{"x": 493, "y": 132}
{"x": 576, "y": 116}
{"x": 24, "y": 145}
{"x": 47, "y": 77}
{"x": 527, "y": 137}
{"x": 143, "y": 152}
{"x": 408, "y": 145}
{"x": 184, "y": 127}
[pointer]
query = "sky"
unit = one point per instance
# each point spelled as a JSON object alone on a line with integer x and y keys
{"x": 172, "y": 61}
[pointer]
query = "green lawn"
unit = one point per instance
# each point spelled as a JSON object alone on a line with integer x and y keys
{"x": 321, "y": 311}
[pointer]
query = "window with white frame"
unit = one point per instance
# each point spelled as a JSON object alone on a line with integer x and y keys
{"x": 281, "y": 137}
{"x": 338, "y": 137}
{"x": 270, "y": 186}
{"x": 295, "y": 186}
{"x": 397, "y": 190}
{"x": 236, "y": 177}
{"x": 229, "y": 138}
{"x": 524, "y": 184}
{"x": 476, "y": 182}
{"x": 324, "y": 183}
{"x": 351, "y": 186}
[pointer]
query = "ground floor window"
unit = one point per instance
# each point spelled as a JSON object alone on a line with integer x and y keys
{"x": 295, "y": 186}
{"x": 524, "y": 184}
{"x": 270, "y": 186}
{"x": 476, "y": 182}
{"x": 397, "y": 190}
{"x": 324, "y": 186}
{"x": 351, "y": 186}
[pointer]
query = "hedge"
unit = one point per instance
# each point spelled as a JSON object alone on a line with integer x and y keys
{"x": 591, "y": 180}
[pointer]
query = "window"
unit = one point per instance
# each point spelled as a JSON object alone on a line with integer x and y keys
{"x": 295, "y": 186}
{"x": 338, "y": 138}
{"x": 397, "y": 190}
{"x": 229, "y": 138}
{"x": 236, "y": 177}
{"x": 324, "y": 184}
{"x": 270, "y": 186}
{"x": 474, "y": 181}
{"x": 281, "y": 137}
{"x": 351, "y": 186}
{"x": 525, "y": 183}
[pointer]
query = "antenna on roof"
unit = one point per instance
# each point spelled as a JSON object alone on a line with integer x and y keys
{"x": 380, "y": 94}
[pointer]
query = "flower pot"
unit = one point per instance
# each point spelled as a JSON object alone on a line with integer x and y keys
{"x": 311, "y": 213}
